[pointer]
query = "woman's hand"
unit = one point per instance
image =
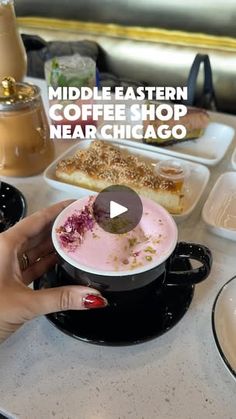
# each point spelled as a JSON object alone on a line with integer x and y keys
{"x": 26, "y": 253}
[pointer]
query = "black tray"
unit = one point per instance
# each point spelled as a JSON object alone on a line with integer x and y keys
{"x": 12, "y": 206}
{"x": 130, "y": 323}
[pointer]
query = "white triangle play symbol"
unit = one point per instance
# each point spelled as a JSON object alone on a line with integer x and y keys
{"x": 116, "y": 209}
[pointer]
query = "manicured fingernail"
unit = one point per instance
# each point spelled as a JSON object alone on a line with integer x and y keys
{"x": 94, "y": 301}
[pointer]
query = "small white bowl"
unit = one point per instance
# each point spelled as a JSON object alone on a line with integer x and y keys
{"x": 219, "y": 211}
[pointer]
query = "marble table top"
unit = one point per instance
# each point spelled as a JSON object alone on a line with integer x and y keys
{"x": 46, "y": 374}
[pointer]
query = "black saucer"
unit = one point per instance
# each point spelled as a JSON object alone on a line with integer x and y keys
{"x": 152, "y": 316}
{"x": 12, "y": 206}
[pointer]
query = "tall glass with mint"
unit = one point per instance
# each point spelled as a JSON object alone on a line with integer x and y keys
{"x": 71, "y": 71}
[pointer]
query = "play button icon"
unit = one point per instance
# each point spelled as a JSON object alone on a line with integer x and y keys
{"x": 118, "y": 209}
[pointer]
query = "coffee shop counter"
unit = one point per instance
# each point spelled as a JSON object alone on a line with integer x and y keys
{"x": 47, "y": 374}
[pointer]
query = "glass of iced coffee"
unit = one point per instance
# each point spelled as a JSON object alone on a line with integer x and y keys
{"x": 12, "y": 52}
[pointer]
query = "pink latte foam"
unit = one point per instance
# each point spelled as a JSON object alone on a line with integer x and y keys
{"x": 148, "y": 245}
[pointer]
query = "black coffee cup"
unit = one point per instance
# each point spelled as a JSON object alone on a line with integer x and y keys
{"x": 122, "y": 281}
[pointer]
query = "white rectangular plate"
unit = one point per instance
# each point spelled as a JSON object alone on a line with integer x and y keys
{"x": 194, "y": 187}
{"x": 208, "y": 149}
{"x": 219, "y": 211}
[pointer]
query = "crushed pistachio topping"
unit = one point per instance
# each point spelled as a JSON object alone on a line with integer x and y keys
{"x": 150, "y": 249}
{"x": 132, "y": 242}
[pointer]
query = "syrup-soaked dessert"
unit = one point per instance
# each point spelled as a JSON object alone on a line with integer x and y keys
{"x": 102, "y": 164}
{"x": 195, "y": 122}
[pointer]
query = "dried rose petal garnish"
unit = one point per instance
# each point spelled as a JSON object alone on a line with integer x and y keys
{"x": 136, "y": 254}
{"x": 71, "y": 234}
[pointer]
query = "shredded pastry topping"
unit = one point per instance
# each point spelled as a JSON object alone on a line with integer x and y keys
{"x": 105, "y": 161}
